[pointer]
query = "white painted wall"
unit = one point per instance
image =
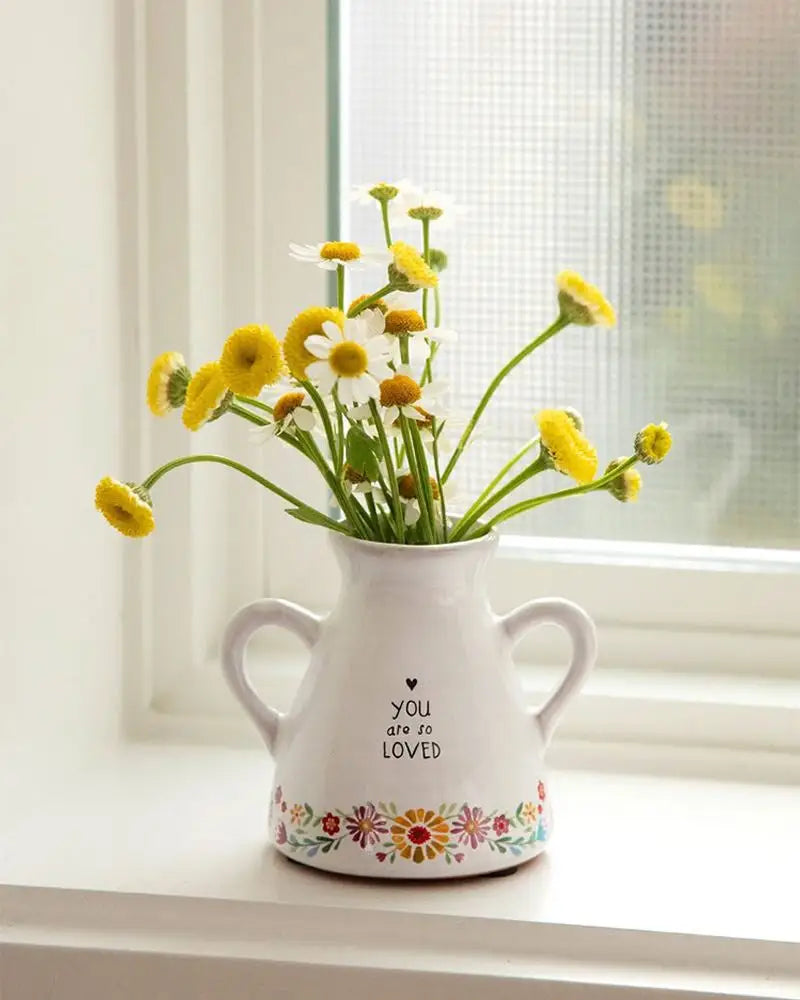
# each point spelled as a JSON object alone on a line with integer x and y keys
{"x": 60, "y": 567}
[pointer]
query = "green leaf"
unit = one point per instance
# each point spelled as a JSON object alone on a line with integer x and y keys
{"x": 442, "y": 808}
{"x": 383, "y": 807}
{"x": 310, "y": 516}
{"x": 362, "y": 452}
{"x": 393, "y": 807}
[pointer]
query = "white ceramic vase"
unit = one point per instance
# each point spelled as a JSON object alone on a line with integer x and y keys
{"x": 409, "y": 751}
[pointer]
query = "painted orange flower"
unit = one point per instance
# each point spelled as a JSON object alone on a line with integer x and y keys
{"x": 529, "y": 812}
{"x": 420, "y": 834}
{"x": 296, "y": 813}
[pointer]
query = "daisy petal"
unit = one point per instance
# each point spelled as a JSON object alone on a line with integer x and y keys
{"x": 412, "y": 512}
{"x": 304, "y": 419}
{"x": 332, "y": 331}
{"x": 346, "y": 391}
{"x": 319, "y": 346}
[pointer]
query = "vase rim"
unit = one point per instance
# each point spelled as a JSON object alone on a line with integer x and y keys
{"x": 485, "y": 542}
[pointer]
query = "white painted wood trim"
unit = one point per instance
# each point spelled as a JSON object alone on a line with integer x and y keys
{"x": 83, "y": 938}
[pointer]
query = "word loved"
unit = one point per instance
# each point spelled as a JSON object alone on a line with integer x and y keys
{"x": 427, "y": 749}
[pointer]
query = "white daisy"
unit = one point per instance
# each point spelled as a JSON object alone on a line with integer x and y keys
{"x": 414, "y": 204}
{"x": 402, "y": 393}
{"x": 330, "y": 255}
{"x": 353, "y": 360}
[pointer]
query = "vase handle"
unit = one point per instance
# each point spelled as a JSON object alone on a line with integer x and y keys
{"x": 580, "y": 628}
{"x": 305, "y": 625}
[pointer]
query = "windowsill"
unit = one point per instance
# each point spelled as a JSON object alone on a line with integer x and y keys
{"x": 162, "y": 848}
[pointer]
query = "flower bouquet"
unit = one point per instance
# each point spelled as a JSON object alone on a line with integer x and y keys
{"x": 352, "y": 387}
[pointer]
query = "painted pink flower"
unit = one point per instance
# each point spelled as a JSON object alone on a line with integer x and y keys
{"x": 366, "y": 825}
{"x": 500, "y": 825}
{"x": 381, "y": 856}
{"x": 280, "y": 834}
{"x": 278, "y": 795}
{"x": 459, "y": 858}
{"x": 330, "y": 824}
{"x": 284, "y": 807}
{"x": 542, "y": 792}
{"x": 539, "y": 808}
{"x": 471, "y": 826}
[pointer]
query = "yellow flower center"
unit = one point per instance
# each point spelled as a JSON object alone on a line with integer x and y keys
{"x": 340, "y": 251}
{"x": 348, "y": 359}
{"x": 407, "y": 486}
{"x": 404, "y": 321}
{"x": 288, "y": 401}
{"x": 399, "y": 390}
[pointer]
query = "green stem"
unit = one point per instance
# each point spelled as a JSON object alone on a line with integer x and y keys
{"x": 551, "y": 331}
{"x": 476, "y": 512}
{"x": 154, "y": 477}
{"x": 324, "y": 416}
{"x": 240, "y": 411}
{"x": 437, "y": 307}
{"x": 422, "y": 497}
{"x": 387, "y": 454}
{"x": 526, "y": 505}
{"x": 426, "y": 254}
{"x": 502, "y": 474}
{"x": 440, "y": 485}
{"x": 385, "y": 216}
{"x": 424, "y": 471}
{"x": 249, "y": 401}
{"x": 340, "y": 286}
{"x": 370, "y": 300}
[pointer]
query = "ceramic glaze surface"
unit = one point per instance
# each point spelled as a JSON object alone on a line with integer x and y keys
{"x": 409, "y": 751}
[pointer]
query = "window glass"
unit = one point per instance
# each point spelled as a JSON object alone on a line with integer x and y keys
{"x": 652, "y": 146}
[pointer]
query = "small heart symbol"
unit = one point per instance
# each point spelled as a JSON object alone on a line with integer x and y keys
{"x": 412, "y": 683}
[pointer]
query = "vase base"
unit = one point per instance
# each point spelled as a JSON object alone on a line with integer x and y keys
{"x": 403, "y": 875}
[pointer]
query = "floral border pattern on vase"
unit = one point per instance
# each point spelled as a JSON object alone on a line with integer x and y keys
{"x": 451, "y": 831}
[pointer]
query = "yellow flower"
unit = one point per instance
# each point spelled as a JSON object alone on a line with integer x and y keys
{"x": 251, "y": 359}
{"x": 652, "y": 443}
{"x": 126, "y": 506}
{"x": 697, "y": 204}
{"x": 166, "y": 384}
{"x": 404, "y": 321}
{"x": 408, "y": 271}
{"x": 569, "y": 450}
{"x": 308, "y": 323}
{"x": 582, "y": 303}
{"x": 627, "y": 484}
{"x": 207, "y": 397}
{"x": 718, "y": 289}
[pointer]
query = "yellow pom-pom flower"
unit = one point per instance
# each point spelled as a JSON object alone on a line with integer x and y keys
{"x": 126, "y": 506}
{"x": 207, "y": 397}
{"x": 167, "y": 382}
{"x": 652, "y": 443}
{"x": 582, "y": 303}
{"x": 568, "y": 449}
{"x": 306, "y": 324}
{"x": 626, "y": 486}
{"x": 408, "y": 271}
{"x": 251, "y": 359}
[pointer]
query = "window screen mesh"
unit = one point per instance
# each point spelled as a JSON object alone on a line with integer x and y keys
{"x": 652, "y": 146}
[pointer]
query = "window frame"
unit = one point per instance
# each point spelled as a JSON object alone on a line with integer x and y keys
{"x": 727, "y": 615}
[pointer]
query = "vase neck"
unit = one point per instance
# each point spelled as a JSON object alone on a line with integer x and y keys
{"x": 460, "y": 569}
